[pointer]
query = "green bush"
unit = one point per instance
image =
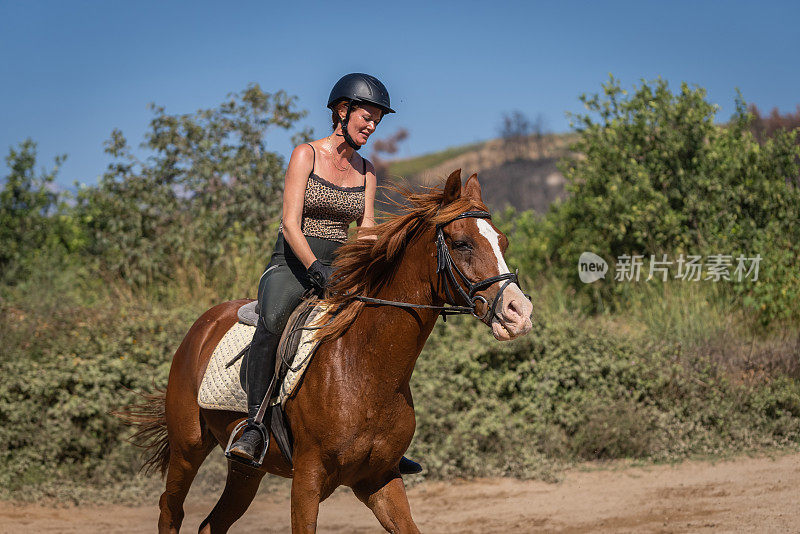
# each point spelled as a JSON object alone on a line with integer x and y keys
{"x": 654, "y": 174}
{"x": 64, "y": 373}
{"x": 571, "y": 390}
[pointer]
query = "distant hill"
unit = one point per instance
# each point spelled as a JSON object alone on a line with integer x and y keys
{"x": 524, "y": 177}
{"x": 523, "y": 184}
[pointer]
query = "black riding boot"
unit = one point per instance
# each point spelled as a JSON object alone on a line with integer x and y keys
{"x": 409, "y": 467}
{"x": 260, "y": 368}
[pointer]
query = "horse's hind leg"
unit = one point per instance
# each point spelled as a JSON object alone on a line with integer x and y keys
{"x": 388, "y": 501}
{"x": 240, "y": 489}
{"x": 184, "y": 461}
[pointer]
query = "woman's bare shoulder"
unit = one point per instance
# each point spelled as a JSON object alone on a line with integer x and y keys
{"x": 302, "y": 159}
{"x": 303, "y": 151}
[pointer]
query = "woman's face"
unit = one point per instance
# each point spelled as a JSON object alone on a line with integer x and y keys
{"x": 363, "y": 121}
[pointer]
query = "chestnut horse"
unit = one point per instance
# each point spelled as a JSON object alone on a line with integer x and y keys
{"x": 353, "y": 417}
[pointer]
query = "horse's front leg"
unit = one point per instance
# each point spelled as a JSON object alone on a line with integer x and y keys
{"x": 387, "y": 499}
{"x": 310, "y": 485}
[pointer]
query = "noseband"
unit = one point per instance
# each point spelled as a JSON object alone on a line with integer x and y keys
{"x": 445, "y": 266}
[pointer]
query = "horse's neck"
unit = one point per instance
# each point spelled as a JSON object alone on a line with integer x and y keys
{"x": 404, "y": 331}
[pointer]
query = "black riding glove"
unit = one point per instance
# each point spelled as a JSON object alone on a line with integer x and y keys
{"x": 319, "y": 274}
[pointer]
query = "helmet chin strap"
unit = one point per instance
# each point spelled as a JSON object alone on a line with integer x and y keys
{"x": 346, "y": 134}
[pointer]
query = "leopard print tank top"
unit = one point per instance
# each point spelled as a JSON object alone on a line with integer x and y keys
{"x": 328, "y": 209}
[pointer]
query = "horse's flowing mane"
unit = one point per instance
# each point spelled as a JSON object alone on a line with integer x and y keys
{"x": 364, "y": 265}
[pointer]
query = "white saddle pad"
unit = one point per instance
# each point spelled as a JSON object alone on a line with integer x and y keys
{"x": 221, "y": 388}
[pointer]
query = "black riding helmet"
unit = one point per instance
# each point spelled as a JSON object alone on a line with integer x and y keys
{"x": 358, "y": 88}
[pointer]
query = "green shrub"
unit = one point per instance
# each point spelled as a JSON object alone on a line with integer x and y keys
{"x": 64, "y": 373}
{"x": 655, "y": 175}
{"x": 572, "y": 390}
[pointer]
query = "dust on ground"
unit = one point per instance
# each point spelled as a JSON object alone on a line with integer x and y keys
{"x": 738, "y": 495}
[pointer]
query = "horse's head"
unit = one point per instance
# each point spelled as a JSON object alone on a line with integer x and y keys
{"x": 475, "y": 248}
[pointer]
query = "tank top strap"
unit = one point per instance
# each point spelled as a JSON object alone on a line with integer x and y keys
{"x": 314, "y": 157}
{"x": 364, "y": 164}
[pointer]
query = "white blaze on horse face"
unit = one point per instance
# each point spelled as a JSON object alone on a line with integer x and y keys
{"x": 493, "y": 238}
{"x": 521, "y": 319}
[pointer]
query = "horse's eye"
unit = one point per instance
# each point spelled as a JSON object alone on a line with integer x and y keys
{"x": 462, "y": 245}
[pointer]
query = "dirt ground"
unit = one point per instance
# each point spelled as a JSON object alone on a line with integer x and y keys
{"x": 738, "y": 495}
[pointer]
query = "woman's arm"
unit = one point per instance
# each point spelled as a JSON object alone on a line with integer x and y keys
{"x": 300, "y": 166}
{"x": 368, "y": 219}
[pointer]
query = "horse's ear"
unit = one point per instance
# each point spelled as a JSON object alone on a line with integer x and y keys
{"x": 452, "y": 189}
{"x": 472, "y": 189}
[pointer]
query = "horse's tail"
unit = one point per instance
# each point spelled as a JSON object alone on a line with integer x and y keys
{"x": 149, "y": 417}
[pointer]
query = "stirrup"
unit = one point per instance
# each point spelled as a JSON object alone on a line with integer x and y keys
{"x": 245, "y": 425}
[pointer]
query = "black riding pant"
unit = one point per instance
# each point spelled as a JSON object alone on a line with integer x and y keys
{"x": 280, "y": 290}
{"x": 285, "y": 280}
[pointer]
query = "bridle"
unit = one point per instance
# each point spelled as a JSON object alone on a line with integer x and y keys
{"x": 445, "y": 266}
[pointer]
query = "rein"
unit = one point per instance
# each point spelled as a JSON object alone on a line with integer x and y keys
{"x": 445, "y": 310}
{"x": 446, "y": 267}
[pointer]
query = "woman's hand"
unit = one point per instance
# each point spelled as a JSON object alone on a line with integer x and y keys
{"x": 320, "y": 275}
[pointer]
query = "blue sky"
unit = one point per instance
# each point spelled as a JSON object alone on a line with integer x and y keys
{"x": 73, "y": 71}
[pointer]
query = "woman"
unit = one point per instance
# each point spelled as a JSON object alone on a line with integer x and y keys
{"x": 328, "y": 185}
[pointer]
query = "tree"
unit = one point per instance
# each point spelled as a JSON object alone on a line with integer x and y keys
{"x": 515, "y": 130}
{"x": 27, "y": 201}
{"x": 208, "y": 181}
{"x": 765, "y": 127}
{"x": 539, "y": 130}
{"x": 387, "y": 146}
